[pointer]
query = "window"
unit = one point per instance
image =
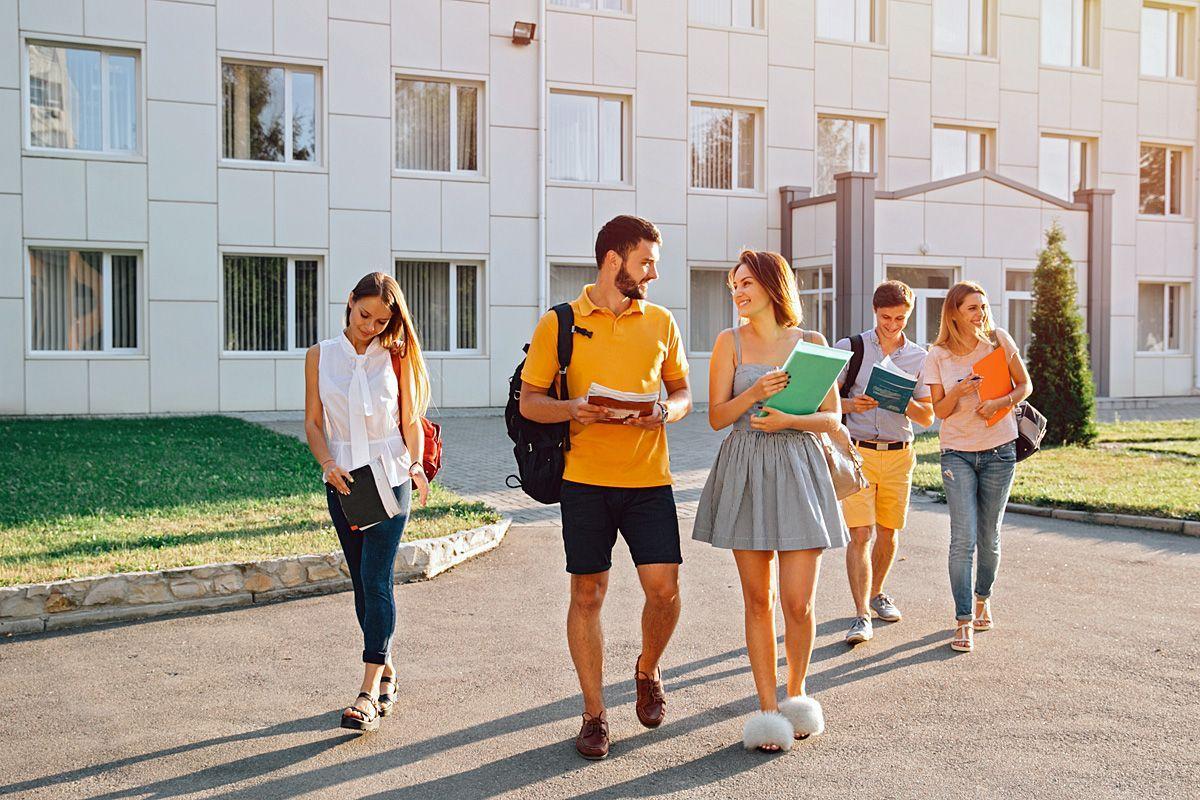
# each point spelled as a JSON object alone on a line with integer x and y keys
{"x": 724, "y": 148}
{"x": 726, "y": 13}
{"x": 1161, "y": 180}
{"x": 1164, "y": 42}
{"x": 83, "y": 98}
{"x": 446, "y": 303}
{"x": 846, "y": 20}
{"x": 930, "y": 286}
{"x": 957, "y": 151}
{"x": 961, "y": 26}
{"x": 84, "y": 301}
{"x": 591, "y": 5}
{"x": 568, "y": 280}
{"x": 1063, "y": 165}
{"x": 269, "y": 113}
{"x": 710, "y": 307}
{"x": 1018, "y": 302}
{"x": 437, "y": 125}
{"x": 1069, "y": 33}
{"x": 814, "y": 285}
{"x": 587, "y": 138}
{"x": 272, "y": 303}
{"x": 843, "y": 145}
{"x": 1161, "y": 316}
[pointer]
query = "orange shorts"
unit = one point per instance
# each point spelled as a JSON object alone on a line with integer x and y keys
{"x": 885, "y": 501}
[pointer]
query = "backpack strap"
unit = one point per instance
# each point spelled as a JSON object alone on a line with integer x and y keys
{"x": 566, "y": 343}
{"x": 856, "y": 359}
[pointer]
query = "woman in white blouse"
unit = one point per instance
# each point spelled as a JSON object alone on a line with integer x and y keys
{"x": 352, "y": 404}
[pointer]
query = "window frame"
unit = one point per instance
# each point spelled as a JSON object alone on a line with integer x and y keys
{"x": 820, "y": 264}
{"x": 108, "y": 249}
{"x": 320, "y": 102}
{"x": 987, "y": 146}
{"x": 626, "y": 12}
{"x": 1017, "y": 294}
{"x": 1089, "y": 38}
{"x": 567, "y": 261}
{"x": 759, "y": 114}
{"x": 921, "y": 295}
{"x": 1184, "y": 48}
{"x": 733, "y": 319}
{"x": 990, "y": 24}
{"x": 1090, "y": 155}
{"x": 876, "y": 25}
{"x": 1184, "y": 153}
{"x": 105, "y": 47}
{"x": 482, "y": 84}
{"x": 758, "y": 12}
{"x": 626, "y": 98}
{"x": 1183, "y": 316}
{"x": 292, "y": 256}
{"x": 876, "y": 154}
{"x": 454, "y": 260}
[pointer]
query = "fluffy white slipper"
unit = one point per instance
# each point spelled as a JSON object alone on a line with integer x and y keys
{"x": 767, "y": 727}
{"x": 805, "y": 715}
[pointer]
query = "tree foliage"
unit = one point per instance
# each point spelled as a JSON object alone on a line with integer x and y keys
{"x": 1058, "y": 352}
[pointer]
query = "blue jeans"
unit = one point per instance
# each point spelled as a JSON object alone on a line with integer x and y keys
{"x": 977, "y": 487}
{"x": 371, "y": 557}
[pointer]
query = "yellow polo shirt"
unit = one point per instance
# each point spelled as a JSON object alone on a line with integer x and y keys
{"x": 633, "y": 352}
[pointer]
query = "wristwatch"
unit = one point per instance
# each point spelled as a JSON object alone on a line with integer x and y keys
{"x": 415, "y": 468}
{"x": 662, "y": 409}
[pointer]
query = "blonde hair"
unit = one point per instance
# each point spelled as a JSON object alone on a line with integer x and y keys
{"x": 772, "y": 271}
{"x": 400, "y": 333}
{"x": 954, "y": 333}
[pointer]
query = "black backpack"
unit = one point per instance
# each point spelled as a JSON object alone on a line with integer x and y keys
{"x": 540, "y": 448}
{"x": 856, "y": 359}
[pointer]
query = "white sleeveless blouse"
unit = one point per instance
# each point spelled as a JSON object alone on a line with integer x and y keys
{"x": 360, "y": 398}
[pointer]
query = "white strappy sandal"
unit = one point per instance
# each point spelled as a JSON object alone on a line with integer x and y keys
{"x": 983, "y": 619}
{"x": 964, "y": 638}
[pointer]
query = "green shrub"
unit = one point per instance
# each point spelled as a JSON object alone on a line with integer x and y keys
{"x": 1058, "y": 354}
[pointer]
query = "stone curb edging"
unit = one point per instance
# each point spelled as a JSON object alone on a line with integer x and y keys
{"x": 1186, "y": 527}
{"x": 34, "y": 608}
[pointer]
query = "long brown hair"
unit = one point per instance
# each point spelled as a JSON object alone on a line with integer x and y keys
{"x": 957, "y": 333}
{"x": 772, "y": 271}
{"x": 400, "y": 333}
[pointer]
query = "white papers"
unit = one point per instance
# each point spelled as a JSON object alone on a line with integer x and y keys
{"x": 643, "y": 398}
{"x": 384, "y": 486}
{"x": 891, "y": 366}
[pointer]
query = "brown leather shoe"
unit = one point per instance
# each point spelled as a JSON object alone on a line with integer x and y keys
{"x": 651, "y": 704}
{"x": 592, "y": 741}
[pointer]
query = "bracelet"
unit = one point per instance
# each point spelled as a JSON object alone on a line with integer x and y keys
{"x": 416, "y": 467}
{"x": 662, "y": 407}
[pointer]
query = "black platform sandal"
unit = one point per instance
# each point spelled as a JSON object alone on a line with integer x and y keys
{"x": 366, "y": 720}
{"x": 386, "y": 699}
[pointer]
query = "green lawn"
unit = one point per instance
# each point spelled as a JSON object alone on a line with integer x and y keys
{"x": 85, "y": 497}
{"x": 1149, "y": 468}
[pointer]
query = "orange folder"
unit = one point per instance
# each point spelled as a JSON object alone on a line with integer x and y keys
{"x": 997, "y": 382}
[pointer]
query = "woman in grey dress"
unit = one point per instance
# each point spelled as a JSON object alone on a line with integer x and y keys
{"x": 769, "y": 493}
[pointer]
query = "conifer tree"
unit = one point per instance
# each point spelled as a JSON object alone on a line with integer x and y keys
{"x": 1058, "y": 352}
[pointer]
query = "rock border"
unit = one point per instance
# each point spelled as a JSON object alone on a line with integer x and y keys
{"x": 1187, "y": 527}
{"x": 38, "y": 607}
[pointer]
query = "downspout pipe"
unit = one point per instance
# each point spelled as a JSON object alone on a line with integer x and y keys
{"x": 543, "y": 269}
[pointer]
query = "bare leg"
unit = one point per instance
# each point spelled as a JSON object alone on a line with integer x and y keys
{"x": 798, "y": 573}
{"x": 858, "y": 567}
{"x": 370, "y": 685}
{"x": 586, "y": 639}
{"x": 758, "y": 593}
{"x": 660, "y": 583}
{"x": 883, "y": 554}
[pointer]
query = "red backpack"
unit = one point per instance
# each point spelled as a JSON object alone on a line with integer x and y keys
{"x": 431, "y": 453}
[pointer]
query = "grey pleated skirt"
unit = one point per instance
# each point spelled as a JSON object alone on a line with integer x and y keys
{"x": 770, "y": 491}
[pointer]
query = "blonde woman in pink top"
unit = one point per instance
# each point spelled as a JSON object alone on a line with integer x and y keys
{"x": 978, "y": 460}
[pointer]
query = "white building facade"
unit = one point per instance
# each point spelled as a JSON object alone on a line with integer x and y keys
{"x": 188, "y": 190}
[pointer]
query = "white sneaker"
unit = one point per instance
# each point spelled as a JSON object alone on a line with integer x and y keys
{"x": 860, "y": 631}
{"x": 885, "y": 608}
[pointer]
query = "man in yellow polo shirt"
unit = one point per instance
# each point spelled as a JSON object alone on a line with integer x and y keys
{"x": 617, "y": 476}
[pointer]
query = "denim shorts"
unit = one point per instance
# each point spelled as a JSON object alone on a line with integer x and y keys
{"x": 593, "y": 515}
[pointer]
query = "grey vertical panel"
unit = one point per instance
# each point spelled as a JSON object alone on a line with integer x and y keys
{"x": 1099, "y": 283}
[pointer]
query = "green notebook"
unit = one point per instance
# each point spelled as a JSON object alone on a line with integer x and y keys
{"x": 813, "y": 369}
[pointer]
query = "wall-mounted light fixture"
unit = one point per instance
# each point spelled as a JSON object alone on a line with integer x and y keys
{"x": 523, "y": 32}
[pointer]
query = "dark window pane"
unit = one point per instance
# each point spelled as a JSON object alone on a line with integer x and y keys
{"x": 1153, "y": 180}
{"x": 253, "y": 112}
{"x": 426, "y": 287}
{"x": 306, "y": 304}
{"x": 124, "y": 301}
{"x": 467, "y": 306}
{"x": 255, "y": 303}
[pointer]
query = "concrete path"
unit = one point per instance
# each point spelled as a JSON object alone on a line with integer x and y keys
{"x": 1087, "y": 688}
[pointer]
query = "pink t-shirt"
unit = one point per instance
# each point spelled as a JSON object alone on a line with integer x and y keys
{"x": 964, "y": 429}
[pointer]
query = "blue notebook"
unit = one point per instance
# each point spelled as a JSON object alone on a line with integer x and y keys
{"x": 813, "y": 369}
{"x": 891, "y": 386}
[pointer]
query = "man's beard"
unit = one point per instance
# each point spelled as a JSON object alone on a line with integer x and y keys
{"x": 627, "y": 286}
